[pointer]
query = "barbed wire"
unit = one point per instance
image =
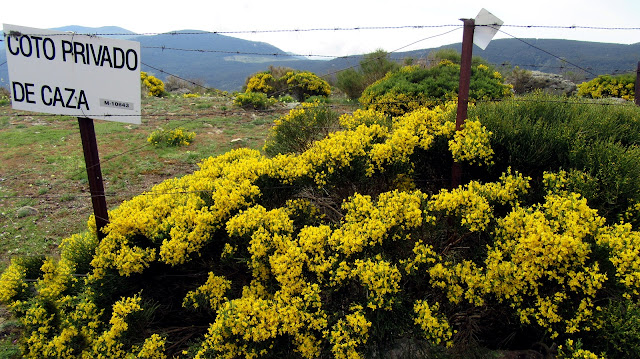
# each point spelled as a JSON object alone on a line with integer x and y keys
{"x": 240, "y": 52}
{"x": 330, "y": 29}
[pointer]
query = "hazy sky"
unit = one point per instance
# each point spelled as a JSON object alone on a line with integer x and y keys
{"x": 244, "y": 15}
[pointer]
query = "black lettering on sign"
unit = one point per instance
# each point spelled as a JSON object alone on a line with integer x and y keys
{"x": 133, "y": 61}
{"x": 106, "y": 58}
{"x": 118, "y": 54}
{"x": 28, "y": 93}
{"x": 70, "y": 97}
{"x": 11, "y": 50}
{"x": 46, "y": 99}
{"x": 25, "y": 46}
{"x": 78, "y": 50}
{"x": 57, "y": 97}
{"x": 95, "y": 56}
{"x": 82, "y": 100}
{"x": 18, "y": 94}
{"x": 67, "y": 48}
{"x": 63, "y": 97}
{"x": 51, "y": 54}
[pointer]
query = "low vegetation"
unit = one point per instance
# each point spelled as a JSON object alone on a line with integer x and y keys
{"x": 342, "y": 236}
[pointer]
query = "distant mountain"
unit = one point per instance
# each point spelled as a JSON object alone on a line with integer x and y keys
{"x": 224, "y": 62}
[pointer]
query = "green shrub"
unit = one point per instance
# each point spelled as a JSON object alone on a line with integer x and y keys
{"x": 286, "y": 99}
{"x": 296, "y": 132}
{"x": 373, "y": 67}
{"x": 412, "y": 87}
{"x": 171, "y": 138}
{"x": 541, "y": 132}
{"x": 253, "y": 100}
{"x": 621, "y": 86}
{"x": 351, "y": 82}
{"x": 195, "y": 86}
{"x": 523, "y": 82}
{"x": 619, "y": 335}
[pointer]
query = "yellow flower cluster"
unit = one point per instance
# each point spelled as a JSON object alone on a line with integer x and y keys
{"x": 259, "y": 321}
{"x": 153, "y": 84}
{"x": 624, "y": 246}
{"x": 622, "y": 86}
{"x": 261, "y": 82}
{"x": 382, "y": 280}
{"x": 309, "y": 82}
{"x": 12, "y": 284}
{"x": 211, "y": 293}
{"x": 58, "y": 324}
{"x": 436, "y": 328}
{"x": 471, "y": 203}
{"x": 363, "y": 117}
{"x": 472, "y": 144}
{"x": 350, "y": 333}
{"x": 572, "y": 350}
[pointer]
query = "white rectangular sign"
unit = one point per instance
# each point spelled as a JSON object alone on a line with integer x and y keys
{"x": 69, "y": 74}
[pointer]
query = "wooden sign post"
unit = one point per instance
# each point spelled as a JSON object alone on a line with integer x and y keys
{"x": 94, "y": 173}
{"x": 463, "y": 91}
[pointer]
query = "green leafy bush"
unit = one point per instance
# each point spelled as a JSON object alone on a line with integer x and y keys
{"x": 296, "y": 132}
{"x": 351, "y": 82}
{"x": 621, "y": 86}
{"x": 171, "y": 138}
{"x": 412, "y": 87}
{"x": 373, "y": 67}
{"x": 540, "y": 132}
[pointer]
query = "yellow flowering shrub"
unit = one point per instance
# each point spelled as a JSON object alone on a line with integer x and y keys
{"x": 261, "y": 82}
{"x": 172, "y": 138}
{"x": 281, "y": 81}
{"x": 154, "y": 85}
{"x": 336, "y": 251}
{"x": 621, "y": 86}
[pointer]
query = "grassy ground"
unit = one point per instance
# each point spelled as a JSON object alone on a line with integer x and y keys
{"x": 44, "y": 194}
